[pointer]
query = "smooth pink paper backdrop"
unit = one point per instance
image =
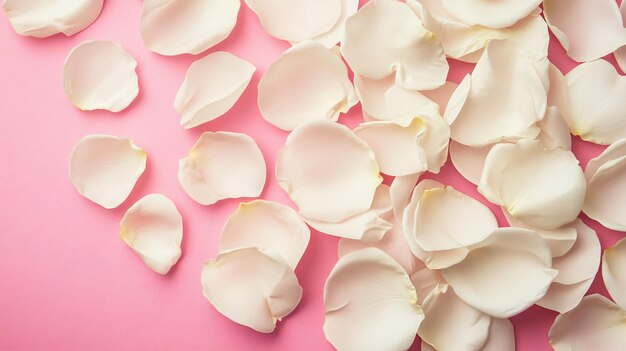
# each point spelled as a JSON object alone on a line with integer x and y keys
{"x": 67, "y": 282}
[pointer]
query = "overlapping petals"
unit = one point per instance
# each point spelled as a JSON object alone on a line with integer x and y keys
{"x": 614, "y": 272}
{"x": 492, "y": 14}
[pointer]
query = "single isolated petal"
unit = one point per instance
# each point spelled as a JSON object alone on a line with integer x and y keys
{"x": 100, "y": 75}
{"x": 614, "y": 272}
{"x": 269, "y": 226}
{"x": 251, "y": 287}
{"x": 560, "y": 240}
{"x": 174, "y": 27}
{"x": 334, "y": 35}
{"x": 308, "y": 82}
{"x": 587, "y": 31}
{"x": 597, "y": 110}
{"x": 489, "y": 13}
{"x": 386, "y": 36}
{"x": 212, "y": 86}
{"x": 371, "y": 304}
{"x": 105, "y": 168}
{"x": 222, "y": 165}
{"x": 595, "y": 324}
{"x": 521, "y": 277}
{"x": 327, "y": 171}
{"x": 297, "y": 20}
{"x": 153, "y": 228}
{"x": 544, "y": 188}
{"x": 42, "y": 19}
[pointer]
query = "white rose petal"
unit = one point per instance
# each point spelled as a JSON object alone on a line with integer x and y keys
{"x": 614, "y": 272}
{"x": 489, "y": 13}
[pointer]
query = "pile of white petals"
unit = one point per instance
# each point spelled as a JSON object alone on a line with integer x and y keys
{"x": 417, "y": 257}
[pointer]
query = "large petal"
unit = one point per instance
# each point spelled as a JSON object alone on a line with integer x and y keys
{"x": 327, "y": 171}
{"x": 174, "y": 27}
{"x": 544, "y": 188}
{"x": 587, "y": 31}
{"x": 42, "y": 19}
{"x": 371, "y": 304}
{"x": 597, "y": 108}
{"x": 595, "y": 324}
{"x": 520, "y": 278}
{"x": 222, "y": 165}
{"x": 100, "y": 75}
{"x": 251, "y": 287}
{"x": 614, "y": 272}
{"x": 386, "y": 36}
{"x": 212, "y": 86}
{"x": 269, "y": 226}
{"x": 308, "y": 82}
{"x": 105, "y": 168}
{"x": 560, "y": 240}
{"x": 153, "y": 228}
{"x": 488, "y": 13}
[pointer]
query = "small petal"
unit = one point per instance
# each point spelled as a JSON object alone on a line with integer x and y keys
{"x": 327, "y": 171}
{"x": 269, "y": 226}
{"x": 493, "y": 14}
{"x": 501, "y": 336}
{"x": 105, "y": 168}
{"x": 174, "y": 27}
{"x": 582, "y": 261}
{"x": 560, "y": 240}
{"x": 371, "y": 304}
{"x": 414, "y": 53}
{"x": 100, "y": 75}
{"x": 554, "y": 131}
{"x": 586, "y": 32}
{"x": 469, "y": 160}
{"x": 595, "y": 324}
{"x": 620, "y": 54}
{"x": 544, "y": 188}
{"x": 153, "y": 228}
{"x": 334, "y": 35}
{"x": 614, "y": 272}
{"x": 45, "y": 18}
{"x": 521, "y": 277}
{"x": 564, "y": 297}
{"x": 251, "y": 287}
{"x": 222, "y": 165}
{"x": 400, "y": 192}
{"x": 306, "y": 83}
{"x": 212, "y": 86}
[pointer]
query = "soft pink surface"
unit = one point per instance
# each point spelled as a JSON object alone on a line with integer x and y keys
{"x": 67, "y": 282}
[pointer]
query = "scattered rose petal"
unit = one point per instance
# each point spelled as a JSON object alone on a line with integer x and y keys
{"x": 469, "y": 160}
{"x": 614, "y": 272}
{"x": 334, "y": 35}
{"x": 563, "y": 298}
{"x": 493, "y": 14}
{"x": 560, "y": 240}
{"x": 400, "y": 192}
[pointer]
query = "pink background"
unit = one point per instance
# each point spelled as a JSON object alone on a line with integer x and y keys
{"x": 67, "y": 282}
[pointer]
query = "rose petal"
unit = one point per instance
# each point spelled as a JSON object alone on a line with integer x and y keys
{"x": 468, "y": 160}
{"x": 251, "y": 287}
{"x": 153, "y": 228}
{"x": 308, "y": 82}
{"x": 222, "y": 165}
{"x": 212, "y": 86}
{"x": 45, "y": 18}
{"x": 269, "y": 226}
{"x": 400, "y": 192}
{"x": 521, "y": 277}
{"x": 614, "y": 272}
{"x": 564, "y": 297}
{"x": 586, "y": 32}
{"x": 327, "y": 171}
{"x": 554, "y": 131}
{"x": 620, "y": 54}
{"x": 582, "y": 261}
{"x": 501, "y": 336}
{"x": 370, "y": 304}
{"x": 414, "y": 54}
{"x": 334, "y": 35}
{"x": 560, "y": 240}
{"x": 493, "y": 14}
{"x": 544, "y": 188}
{"x": 105, "y": 168}
{"x": 174, "y": 27}
{"x": 100, "y": 75}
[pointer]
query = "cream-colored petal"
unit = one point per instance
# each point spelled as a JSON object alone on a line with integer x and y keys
{"x": 308, "y": 82}
{"x": 425, "y": 280}
{"x": 620, "y": 54}
{"x": 414, "y": 53}
{"x": 586, "y": 32}
{"x": 367, "y": 226}
{"x": 100, "y": 75}
{"x": 554, "y": 131}
{"x": 153, "y": 228}
{"x": 174, "y": 27}
{"x": 595, "y": 324}
{"x": 334, "y": 35}
{"x": 560, "y": 240}
{"x": 564, "y": 297}
{"x": 400, "y": 192}
{"x": 521, "y": 277}
{"x": 251, "y": 287}
{"x": 269, "y": 226}
{"x": 544, "y": 188}
{"x": 469, "y": 160}
{"x": 42, "y": 19}
{"x": 105, "y": 168}
{"x": 610, "y": 155}
{"x": 370, "y": 304}
{"x": 441, "y": 96}
{"x": 493, "y": 14}
{"x": 212, "y": 86}
{"x": 451, "y": 324}
{"x": 582, "y": 261}
{"x": 297, "y": 20}
{"x": 614, "y": 272}
{"x": 501, "y": 336}
{"x": 597, "y": 106}
{"x": 503, "y": 99}
{"x": 327, "y": 171}
{"x": 222, "y": 165}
